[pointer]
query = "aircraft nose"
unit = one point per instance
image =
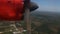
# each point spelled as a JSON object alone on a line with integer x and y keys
{"x": 33, "y": 6}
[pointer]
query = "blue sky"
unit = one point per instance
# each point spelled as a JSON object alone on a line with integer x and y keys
{"x": 48, "y": 5}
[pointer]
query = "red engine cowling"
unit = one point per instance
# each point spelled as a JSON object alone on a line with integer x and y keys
{"x": 11, "y": 10}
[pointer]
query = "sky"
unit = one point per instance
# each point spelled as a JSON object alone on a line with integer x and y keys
{"x": 48, "y": 5}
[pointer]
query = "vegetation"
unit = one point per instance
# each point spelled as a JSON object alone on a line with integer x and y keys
{"x": 41, "y": 23}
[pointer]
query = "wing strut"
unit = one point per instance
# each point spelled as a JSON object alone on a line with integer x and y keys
{"x": 27, "y": 16}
